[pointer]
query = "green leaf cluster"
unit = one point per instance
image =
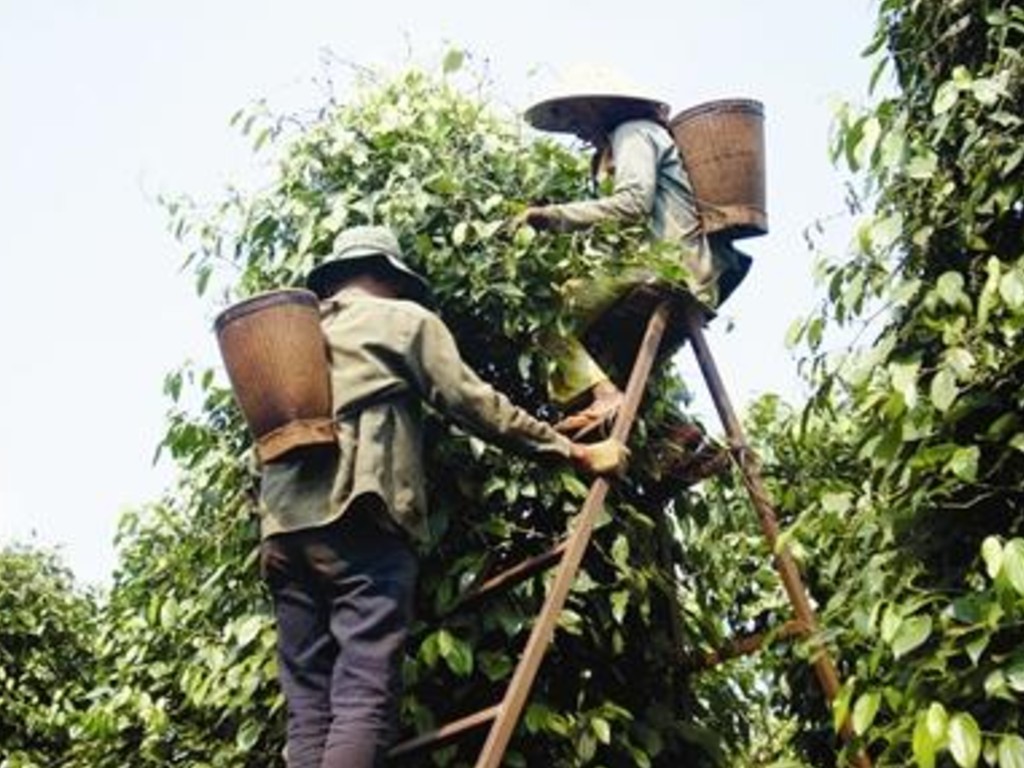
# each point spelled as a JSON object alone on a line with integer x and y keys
{"x": 46, "y": 626}
{"x": 916, "y": 567}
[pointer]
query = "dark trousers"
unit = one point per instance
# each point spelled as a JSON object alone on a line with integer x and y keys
{"x": 343, "y": 599}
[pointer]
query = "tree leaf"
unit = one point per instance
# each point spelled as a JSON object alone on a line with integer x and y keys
{"x": 995, "y": 686}
{"x": 602, "y": 730}
{"x": 892, "y": 149}
{"x": 169, "y": 613}
{"x": 987, "y": 90}
{"x": 815, "y": 332}
{"x": 1013, "y": 564}
{"x": 961, "y": 361}
{"x": 923, "y": 744}
{"x": 864, "y": 711}
{"x": 619, "y": 601}
{"x": 841, "y": 704}
{"x": 886, "y": 230}
{"x": 429, "y": 649}
{"x": 912, "y": 633}
{"x": 865, "y": 148}
{"x": 1014, "y": 674}
{"x": 950, "y": 287}
{"x": 937, "y": 721}
{"x": 945, "y": 97}
{"x": 992, "y": 554}
{"x": 795, "y": 332}
{"x": 837, "y": 503}
{"x": 1011, "y": 288}
{"x": 922, "y": 167}
{"x": 1011, "y": 751}
{"x": 459, "y": 233}
{"x": 961, "y": 77}
{"x": 247, "y": 735}
{"x": 456, "y": 653}
{"x": 987, "y": 299}
{"x": 943, "y": 390}
{"x": 904, "y": 380}
{"x": 964, "y": 463}
{"x": 247, "y": 629}
{"x": 453, "y": 60}
{"x": 620, "y": 552}
{"x": 891, "y": 621}
{"x": 495, "y": 665}
{"x": 977, "y": 647}
{"x": 964, "y": 740}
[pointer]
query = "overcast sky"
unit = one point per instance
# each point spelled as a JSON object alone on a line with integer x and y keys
{"x": 105, "y": 104}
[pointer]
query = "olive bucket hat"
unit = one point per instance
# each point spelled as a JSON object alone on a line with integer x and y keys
{"x": 366, "y": 248}
{"x": 590, "y": 100}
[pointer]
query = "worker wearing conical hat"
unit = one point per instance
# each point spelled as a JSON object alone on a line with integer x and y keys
{"x": 633, "y": 145}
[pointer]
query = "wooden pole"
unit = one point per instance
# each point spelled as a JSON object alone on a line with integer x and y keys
{"x": 786, "y": 566}
{"x": 544, "y": 629}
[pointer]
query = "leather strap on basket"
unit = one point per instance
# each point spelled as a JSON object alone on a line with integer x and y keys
{"x": 294, "y": 434}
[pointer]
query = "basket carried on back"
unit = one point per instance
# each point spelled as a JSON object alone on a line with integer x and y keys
{"x": 276, "y": 358}
{"x": 722, "y": 144}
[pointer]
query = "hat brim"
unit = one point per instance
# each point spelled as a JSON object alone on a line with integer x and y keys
{"x": 585, "y": 114}
{"x": 322, "y": 279}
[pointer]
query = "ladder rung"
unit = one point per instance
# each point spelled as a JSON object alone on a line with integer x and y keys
{"x": 446, "y": 732}
{"x": 517, "y": 573}
{"x": 745, "y": 645}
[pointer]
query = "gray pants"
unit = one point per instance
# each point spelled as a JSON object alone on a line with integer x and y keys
{"x": 343, "y": 599}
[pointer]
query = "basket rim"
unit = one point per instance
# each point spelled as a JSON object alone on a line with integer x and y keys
{"x": 752, "y": 106}
{"x": 260, "y": 301}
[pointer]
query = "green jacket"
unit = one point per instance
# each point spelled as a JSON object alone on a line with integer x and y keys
{"x": 386, "y": 357}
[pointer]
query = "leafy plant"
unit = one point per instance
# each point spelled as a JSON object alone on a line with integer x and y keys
{"x": 46, "y": 629}
{"x": 928, "y": 469}
{"x": 186, "y": 665}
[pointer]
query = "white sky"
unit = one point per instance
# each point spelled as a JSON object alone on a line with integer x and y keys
{"x": 105, "y": 104}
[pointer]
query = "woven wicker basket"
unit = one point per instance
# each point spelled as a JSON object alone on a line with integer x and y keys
{"x": 722, "y": 144}
{"x": 276, "y": 359}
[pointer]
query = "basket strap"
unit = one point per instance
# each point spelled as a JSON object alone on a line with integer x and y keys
{"x": 329, "y": 307}
{"x": 295, "y": 433}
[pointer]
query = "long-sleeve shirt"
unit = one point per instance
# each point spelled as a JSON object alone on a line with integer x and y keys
{"x": 386, "y": 356}
{"x": 651, "y": 183}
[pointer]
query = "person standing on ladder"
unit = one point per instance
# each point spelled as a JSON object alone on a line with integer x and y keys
{"x": 339, "y": 522}
{"x": 633, "y": 146}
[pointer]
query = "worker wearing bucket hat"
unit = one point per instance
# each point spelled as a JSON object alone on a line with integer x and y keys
{"x": 338, "y": 523}
{"x": 368, "y": 250}
{"x": 627, "y": 128}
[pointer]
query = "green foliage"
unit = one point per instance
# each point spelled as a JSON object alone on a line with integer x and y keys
{"x": 913, "y": 525}
{"x": 46, "y": 629}
{"x": 186, "y": 665}
{"x": 185, "y": 660}
{"x": 898, "y": 486}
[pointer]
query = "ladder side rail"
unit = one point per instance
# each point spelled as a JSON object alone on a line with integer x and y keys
{"x": 786, "y": 566}
{"x": 543, "y": 630}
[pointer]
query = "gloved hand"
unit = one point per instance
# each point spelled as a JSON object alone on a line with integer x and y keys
{"x": 608, "y": 457}
{"x": 537, "y": 216}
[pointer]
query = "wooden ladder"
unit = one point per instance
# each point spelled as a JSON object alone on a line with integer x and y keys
{"x": 672, "y": 316}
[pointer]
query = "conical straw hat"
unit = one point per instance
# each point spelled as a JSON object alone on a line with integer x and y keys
{"x": 591, "y": 99}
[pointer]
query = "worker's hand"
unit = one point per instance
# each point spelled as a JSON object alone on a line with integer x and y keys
{"x": 608, "y": 457}
{"x": 537, "y": 216}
